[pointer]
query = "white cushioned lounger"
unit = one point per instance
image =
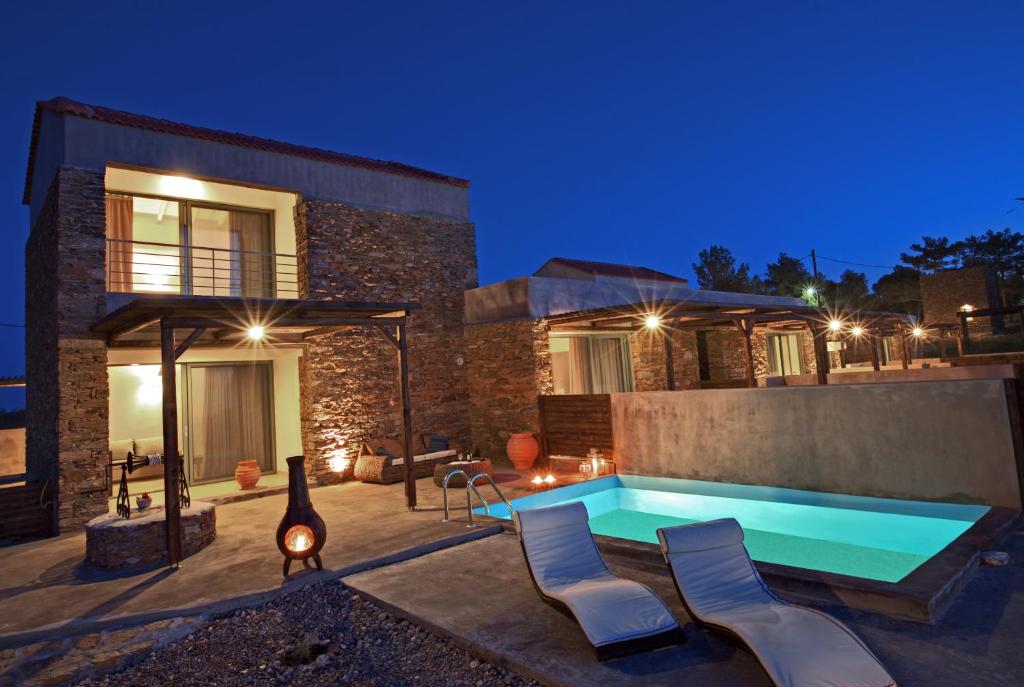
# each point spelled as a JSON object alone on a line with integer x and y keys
{"x": 721, "y": 589}
{"x": 618, "y": 616}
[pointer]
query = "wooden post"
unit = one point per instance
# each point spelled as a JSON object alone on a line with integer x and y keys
{"x": 403, "y": 366}
{"x": 670, "y": 373}
{"x": 960, "y": 347}
{"x": 965, "y": 335}
{"x": 905, "y": 349}
{"x": 172, "y": 465}
{"x": 873, "y": 341}
{"x": 821, "y": 362}
{"x": 746, "y": 328}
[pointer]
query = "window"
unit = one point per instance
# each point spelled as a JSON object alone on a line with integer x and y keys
{"x": 167, "y": 245}
{"x": 783, "y": 354}
{"x": 590, "y": 363}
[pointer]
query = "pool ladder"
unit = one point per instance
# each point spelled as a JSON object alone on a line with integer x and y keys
{"x": 470, "y": 490}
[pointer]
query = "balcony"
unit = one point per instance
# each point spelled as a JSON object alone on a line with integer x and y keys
{"x": 148, "y": 267}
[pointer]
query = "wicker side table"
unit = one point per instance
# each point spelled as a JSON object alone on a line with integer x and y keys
{"x": 470, "y": 467}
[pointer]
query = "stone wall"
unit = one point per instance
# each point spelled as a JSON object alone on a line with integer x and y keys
{"x": 944, "y": 293}
{"x": 509, "y": 366}
{"x": 66, "y": 396}
{"x": 647, "y": 350}
{"x": 349, "y": 379}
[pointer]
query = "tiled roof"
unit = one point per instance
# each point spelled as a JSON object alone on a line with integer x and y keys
{"x": 611, "y": 269}
{"x": 103, "y": 114}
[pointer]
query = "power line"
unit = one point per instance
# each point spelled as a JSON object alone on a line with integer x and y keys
{"x": 858, "y": 264}
{"x": 7, "y": 324}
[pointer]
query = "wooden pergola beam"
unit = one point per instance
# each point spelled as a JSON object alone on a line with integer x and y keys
{"x": 746, "y": 327}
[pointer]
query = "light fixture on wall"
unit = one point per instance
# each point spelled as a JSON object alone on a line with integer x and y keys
{"x": 256, "y": 332}
{"x": 652, "y": 321}
{"x": 181, "y": 187}
{"x": 339, "y": 462}
{"x": 835, "y": 326}
{"x": 917, "y": 332}
{"x": 857, "y": 331}
{"x": 967, "y": 308}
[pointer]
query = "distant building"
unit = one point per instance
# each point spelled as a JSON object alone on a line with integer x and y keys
{"x": 946, "y": 294}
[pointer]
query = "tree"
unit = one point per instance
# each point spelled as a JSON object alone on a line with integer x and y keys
{"x": 849, "y": 291}
{"x": 717, "y": 270}
{"x": 787, "y": 276}
{"x": 933, "y": 254}
{"x": 899, "y": 291}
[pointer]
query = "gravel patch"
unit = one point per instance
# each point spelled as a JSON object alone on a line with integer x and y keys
{"x": 320, "y": 635}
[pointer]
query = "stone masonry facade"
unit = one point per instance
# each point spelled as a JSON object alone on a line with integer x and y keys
{"x": 349, "y": 383}
{"x": 944, "y": 293}
{"x": 66, "y": 364}
{"x": 509, "y": 366}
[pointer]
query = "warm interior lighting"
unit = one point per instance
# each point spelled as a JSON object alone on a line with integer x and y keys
{"x": 857, "y": 331}
{"x": 835, "y": 325}
{"x": 256, "y": 332}
{"x": 339, "y": 462}
{"x": 181, "y": 187}
{"x": 652, "y": 321}
{"x": 967, "y": 308}
{"x": 298, "y": 539}
{"x": 918, "y": 332}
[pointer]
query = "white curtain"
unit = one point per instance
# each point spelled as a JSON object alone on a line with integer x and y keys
{"x": 250, "y": 233}
{"x": 579, "y": 365}
{"x": 234, "y": 422}
{"x": 606, "y": 366}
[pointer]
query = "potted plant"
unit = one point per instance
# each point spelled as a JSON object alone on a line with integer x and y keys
{"x": 143, "y": 501}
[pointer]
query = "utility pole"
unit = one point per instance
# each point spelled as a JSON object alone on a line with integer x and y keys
{"x": 817, "y": 286}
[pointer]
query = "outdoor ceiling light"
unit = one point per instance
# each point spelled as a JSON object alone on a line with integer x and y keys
{"x": 652, "y": 321}
{"x": 918, "y": 332}
{"x": 857, "y": 331}
{"x": 181, "y": 187}
{"x": 257, "y": 332}
{"x": 835, "y": 325}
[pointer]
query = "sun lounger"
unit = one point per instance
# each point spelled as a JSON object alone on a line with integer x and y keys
{"x": 618, "y": 616}
{"x": 721, "y": 589}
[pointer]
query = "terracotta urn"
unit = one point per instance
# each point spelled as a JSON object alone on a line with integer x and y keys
{"x": 247, "y": 474}
{"x": 522, "y": 449}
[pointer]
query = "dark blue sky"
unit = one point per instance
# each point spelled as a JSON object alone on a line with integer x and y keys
{"x": 635, "y": 132}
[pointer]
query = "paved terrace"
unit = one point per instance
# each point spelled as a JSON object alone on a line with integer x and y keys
{"x": 46, "y": 592}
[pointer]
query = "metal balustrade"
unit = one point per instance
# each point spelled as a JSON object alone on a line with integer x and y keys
{"x": 150, "y": 267}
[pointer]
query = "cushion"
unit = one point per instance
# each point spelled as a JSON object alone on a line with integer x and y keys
{"x": 427, "y": 456}
{"x": 120, "y": 448}
{"x": 149, "y": 445}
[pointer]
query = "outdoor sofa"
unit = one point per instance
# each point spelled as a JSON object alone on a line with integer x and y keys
{"x": 382, "y": 461}
{"x": 721, "y": 590}
{"x": 618, "y": 616}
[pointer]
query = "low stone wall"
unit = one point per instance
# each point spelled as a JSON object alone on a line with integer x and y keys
{"x": 113, "y": 542}
{"x": 940, "y": 440}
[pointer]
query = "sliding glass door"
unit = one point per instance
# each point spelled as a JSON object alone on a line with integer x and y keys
{"x": 229, "y": 417}
{"x": 590, "y": 363}
{"x": 230, "y": 252}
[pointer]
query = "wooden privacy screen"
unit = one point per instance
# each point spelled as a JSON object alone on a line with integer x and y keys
{"x": 572, "y": 425}
{"x": 24, "y": 512}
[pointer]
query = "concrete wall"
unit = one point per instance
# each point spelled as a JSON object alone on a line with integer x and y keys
{"x": 914, "y": 374}
{"x": 89, "y": 144}
{"x": 944, "y": 440}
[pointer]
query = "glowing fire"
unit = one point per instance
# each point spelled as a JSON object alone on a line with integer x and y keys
{"x": 298, "y": 539}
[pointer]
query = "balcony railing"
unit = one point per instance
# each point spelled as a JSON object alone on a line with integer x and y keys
{"x": 148, "y": 267}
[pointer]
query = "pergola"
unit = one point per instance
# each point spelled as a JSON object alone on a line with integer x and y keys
{"x": 155, "y": 321}
{"x": 707, "y": 315}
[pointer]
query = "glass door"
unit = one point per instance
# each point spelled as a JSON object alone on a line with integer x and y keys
{"x": 229, "y": 418}
{"x": 231, "y": 252}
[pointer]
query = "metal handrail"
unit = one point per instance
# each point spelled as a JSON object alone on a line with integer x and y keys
{"x": 497, "y": 490}
{"x": 469, "y": 501}
{"x": 147, "y": 266}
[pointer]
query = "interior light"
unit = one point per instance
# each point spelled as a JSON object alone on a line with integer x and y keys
{"x": 257, "y": 332}
{"x": 181, "y": 187}
{"x": 652, "y": 321}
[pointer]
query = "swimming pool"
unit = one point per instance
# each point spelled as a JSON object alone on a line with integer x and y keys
{"x": 873, "y": 538}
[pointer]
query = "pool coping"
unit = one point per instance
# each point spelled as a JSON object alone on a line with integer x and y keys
{"x": 923, "y": 595}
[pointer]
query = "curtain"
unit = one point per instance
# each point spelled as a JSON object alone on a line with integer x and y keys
{"x": 119, "y": 247}
{"x": 579, "y": 365}
{"x": 250, "y": 234}
{"x": 606, "y": 365}
{"x": 234, "y": 423}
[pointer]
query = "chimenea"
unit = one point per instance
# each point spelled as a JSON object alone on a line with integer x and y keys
{"x": 302, "y": 532}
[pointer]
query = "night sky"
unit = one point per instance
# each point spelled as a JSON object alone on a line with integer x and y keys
{"x": 631, "y": 132}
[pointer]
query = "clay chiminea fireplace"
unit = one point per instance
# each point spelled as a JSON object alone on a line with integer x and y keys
{"x": 302, "y": 532}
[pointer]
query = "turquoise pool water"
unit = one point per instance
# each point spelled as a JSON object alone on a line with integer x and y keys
{"x": 878, "y": 539}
